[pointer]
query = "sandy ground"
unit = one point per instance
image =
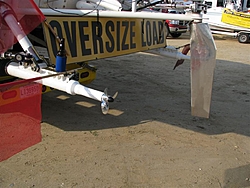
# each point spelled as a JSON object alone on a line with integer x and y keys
{"x": 149, "y": 138}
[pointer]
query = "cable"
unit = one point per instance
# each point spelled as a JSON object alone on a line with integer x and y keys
{"x": 62, "y": 12}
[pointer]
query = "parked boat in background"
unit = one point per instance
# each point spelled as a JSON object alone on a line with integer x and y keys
{"x": 229, "y": 18}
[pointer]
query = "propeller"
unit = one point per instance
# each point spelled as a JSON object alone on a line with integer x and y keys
{"x": 203, "y": 60}
{"x": 106, "y": 99}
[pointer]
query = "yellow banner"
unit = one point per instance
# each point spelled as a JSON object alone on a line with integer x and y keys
{"x": 236, "y": 18}
{"x": 89, "y": 38}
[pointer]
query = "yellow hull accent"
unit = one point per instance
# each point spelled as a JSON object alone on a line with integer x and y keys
{"x": 236, "y": 18}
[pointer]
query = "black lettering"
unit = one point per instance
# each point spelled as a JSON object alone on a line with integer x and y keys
{"x": 118, "y": 32}
{"x": 125, "y": 34}
{"x": 71, "y": 37}
{"x": 143, "y": 42}
{"x": 132, "y": 35}
{"x": 162, "y": 33}
{"x": 97, "y": 36}
{"x": 155, "y": 34}
{"x": 148, "y": 33}
{"x": 55, "y": 25}
{"x": 111, "y": 44}
{"x": 84, "y": 38}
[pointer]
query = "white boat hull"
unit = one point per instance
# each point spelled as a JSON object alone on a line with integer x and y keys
{"x": 213, "y": 18}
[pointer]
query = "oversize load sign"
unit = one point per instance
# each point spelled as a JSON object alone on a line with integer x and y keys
{"x": 88, "y": 38}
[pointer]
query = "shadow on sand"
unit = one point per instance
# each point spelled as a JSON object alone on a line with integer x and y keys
{"x": 154, "y": 92}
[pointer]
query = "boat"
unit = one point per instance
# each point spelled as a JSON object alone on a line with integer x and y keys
{"x": 229, "y": 18}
